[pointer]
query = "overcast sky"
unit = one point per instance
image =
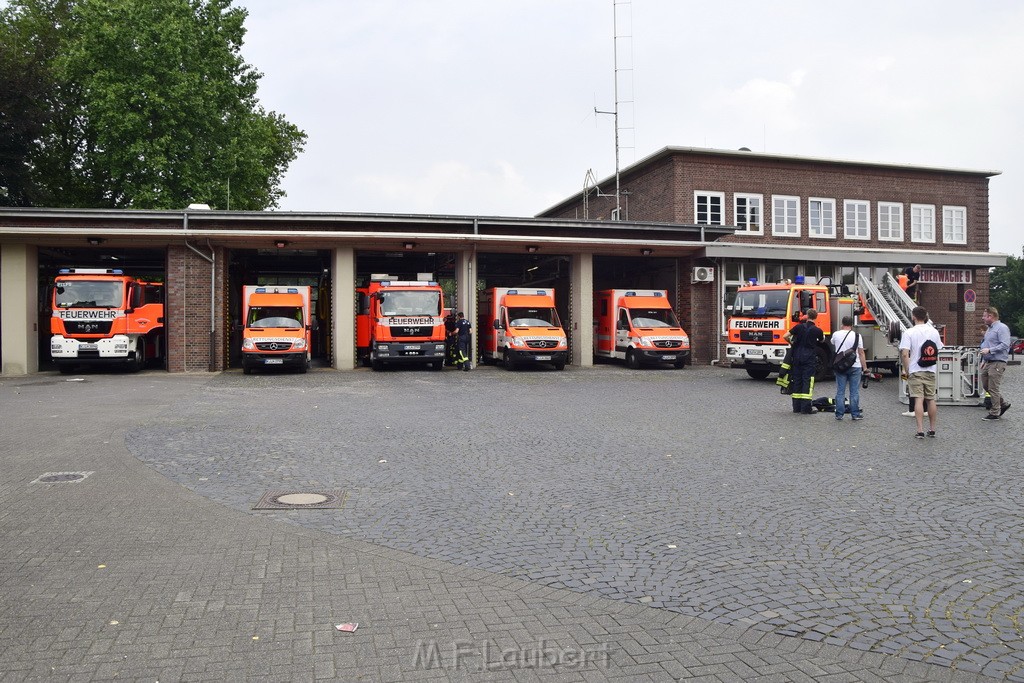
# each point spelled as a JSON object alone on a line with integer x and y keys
{"x": 486, "y": 107}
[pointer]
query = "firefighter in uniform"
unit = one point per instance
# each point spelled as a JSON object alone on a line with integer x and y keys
{"x": 805, "y": 339}
{"x": 462, "y": 330}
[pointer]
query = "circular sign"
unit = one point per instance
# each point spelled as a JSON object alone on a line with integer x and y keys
{"x": 970, "y": 296}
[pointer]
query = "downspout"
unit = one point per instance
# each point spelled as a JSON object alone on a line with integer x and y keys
{"x": 212, "y": 260}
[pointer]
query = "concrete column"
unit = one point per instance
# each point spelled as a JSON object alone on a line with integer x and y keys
{"x": 343, "y": 294}
{"x": 465, "y": 276}
{"x": 581, "y": 336}
{"x": 19, "y": 305}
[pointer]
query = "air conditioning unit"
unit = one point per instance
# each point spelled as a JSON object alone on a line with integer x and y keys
{"x": 703, "y": 274}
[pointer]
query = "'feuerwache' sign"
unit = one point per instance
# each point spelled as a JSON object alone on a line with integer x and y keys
{"x": 949, "y": 276}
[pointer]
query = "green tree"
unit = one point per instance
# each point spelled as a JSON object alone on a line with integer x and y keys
{"x": 152, "y": 106}
{"x": 1007, "y": 293}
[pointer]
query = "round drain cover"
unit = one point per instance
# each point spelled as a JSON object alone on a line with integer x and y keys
{"x": 301, "y": 499}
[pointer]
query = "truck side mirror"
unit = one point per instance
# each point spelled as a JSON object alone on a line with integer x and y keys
{"x": 729, "y": 308}
{"x": 498, "y": 325}
{"x": 622, "y": 326}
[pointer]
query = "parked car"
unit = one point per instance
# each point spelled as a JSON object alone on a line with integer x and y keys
{"x": 1016, "y": 346}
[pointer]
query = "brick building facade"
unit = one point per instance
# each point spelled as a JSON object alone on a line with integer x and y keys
{"x": 816, "y": 217}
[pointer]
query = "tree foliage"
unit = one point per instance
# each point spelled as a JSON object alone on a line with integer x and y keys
{"x": 146, "y": 104}
{"x": 1006, "y": 290}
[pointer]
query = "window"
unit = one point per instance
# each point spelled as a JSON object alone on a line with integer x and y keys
{"x": 856, "y": 220}
{"x": 749, "y": 212}
{"x": 890, "y": 221}
{"x": 708, "y": 207}
{"x": 785, "y": 216}
{"x": 821, "y": 217}
{"x": 922, "y": 223}
{"x": 954, "y": 224}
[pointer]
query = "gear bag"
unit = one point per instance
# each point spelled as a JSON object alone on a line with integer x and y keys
{"x": 845, "y": 360}
{"x": 929, "y": 354}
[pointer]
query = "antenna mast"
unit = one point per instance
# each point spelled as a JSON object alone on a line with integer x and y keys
{"x": 622, "y": 21}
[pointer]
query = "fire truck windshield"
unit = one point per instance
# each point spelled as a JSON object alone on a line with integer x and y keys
{"x": 654, "y": 317}
{"x": 771, "y": 303}
{"x": 275, "y": 316}
{"x": 88, "y": 294}
{"x": 410, "y": 303}
{"x": 533, "y": 317}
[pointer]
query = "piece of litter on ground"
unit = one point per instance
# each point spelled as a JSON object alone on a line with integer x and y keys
{"x": 382, "y": 460}
{"x": 114, "y": 622}
{"x": 75, "y": 379}
{"x": 346, "y": 628}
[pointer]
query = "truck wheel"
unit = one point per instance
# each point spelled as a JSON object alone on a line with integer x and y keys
{"x": 246, "y": 370}
{"x": 559, "y": 365}
{"x": 631, "y": 360}
{"x": 303, "y": 367}
{"x": 510, "y": 364}
{"x": 679, "y": 364}
{"x": 65, "y": 369}
{"x": 376, "y": 364}
{"x": 759, "y": 373}
{"x": 140, "y": 355}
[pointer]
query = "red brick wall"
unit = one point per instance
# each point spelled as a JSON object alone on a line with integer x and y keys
{"x": 188, "y": 311}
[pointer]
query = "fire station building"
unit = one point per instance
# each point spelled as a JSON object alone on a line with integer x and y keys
{"x": 696, "y": 222}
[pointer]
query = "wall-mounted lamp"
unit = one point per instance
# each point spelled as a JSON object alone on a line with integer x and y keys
{"x": 408, "y": 246}
{"x": 646, "y": 252}
{"x": 280, "y": 244}
{"x": 532, "y": 248}
{"x": 95, "y": 240}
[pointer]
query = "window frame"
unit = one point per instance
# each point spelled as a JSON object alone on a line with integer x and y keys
{"x": 775, "y": 223}
{"x": 810, "y": 217}
{"x": 709, "y": 194}
{"x": 861, "y": 206}
{"x": 890, "y": 237}
{"x": 962, "y": 210}
{"x": 747, "y": 196}
{"x": 923, "y": 239}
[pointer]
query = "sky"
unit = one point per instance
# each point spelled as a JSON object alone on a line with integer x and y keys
{"x": 487, "y": 107}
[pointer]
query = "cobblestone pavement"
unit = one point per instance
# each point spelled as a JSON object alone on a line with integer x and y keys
{"x": 625, "y": 525}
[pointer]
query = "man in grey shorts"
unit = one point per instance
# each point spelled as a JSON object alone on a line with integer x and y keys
{"x": 917, "y": 350}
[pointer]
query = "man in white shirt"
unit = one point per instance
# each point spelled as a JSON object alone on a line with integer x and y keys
{"x": 846, "y": 339}
{"x": 918, "y": 350}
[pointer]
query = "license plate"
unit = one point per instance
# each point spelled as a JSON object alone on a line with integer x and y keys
{"x": 274, "y": 361}
{"x": 87, "y": 347}
{"x": 669, "y": 357}
{"x": 542, "y": 357}
{"x": 755, "y": 352}
{"x": 412, "y": 347}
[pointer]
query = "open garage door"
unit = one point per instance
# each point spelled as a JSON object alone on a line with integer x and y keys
{"x": 147, "y": 265}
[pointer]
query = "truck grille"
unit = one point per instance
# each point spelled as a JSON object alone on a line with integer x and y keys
{"x": 668, "y": 344}
{"x": 419, "y": 331}
{"x": 756, "y": 335}
{"x": 542, "y": 343}
{"x": 88, "y": 326}
{"x": 273, "y": 346}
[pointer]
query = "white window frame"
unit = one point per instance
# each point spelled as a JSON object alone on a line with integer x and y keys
{"x": 893, "y": 231}
{"x": 826, "y": 228}
{"x": 951, "y": 215}
{"x": 720, "y": 196}
{"x": 856, "y": 219}
{"x": 788, "y": 229}
{"x": 737, "y": 213}
{"x": 922, "y": 230}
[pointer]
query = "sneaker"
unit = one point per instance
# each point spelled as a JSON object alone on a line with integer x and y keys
{"x": 858, "y": 417}
{"x": 839, "y": 418}
{"x": 1006, "y": 406}
{"x": 990, "y": 417}
{"x": 919, "y": 435}
{"x": 908, "y": 413}
{"x": 931, "y": 433}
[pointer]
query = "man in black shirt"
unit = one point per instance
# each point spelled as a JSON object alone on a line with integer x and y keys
{"x": 913, "y": 274}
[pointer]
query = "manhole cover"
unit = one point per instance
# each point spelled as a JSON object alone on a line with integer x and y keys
{"x": 301, "y": 500}
{"x": 60, "y": 477}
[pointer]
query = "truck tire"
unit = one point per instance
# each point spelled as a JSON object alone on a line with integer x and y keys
{"x": 510, "y": 363}
{"x": 679, "y": 364}
{"x": 631, "y": 360}
{"x": 758, "y": 372}
{"x": 377, "y": 365}
{"x": 246, "y": 370}
{"x": 65, "y": 368}
{"x": 303, "y": 367}
{"x": 559, "y": 365}
{"x": 140, "y": 355}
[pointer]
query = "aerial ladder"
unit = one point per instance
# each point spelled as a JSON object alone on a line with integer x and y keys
{"x": 958, "y": 370}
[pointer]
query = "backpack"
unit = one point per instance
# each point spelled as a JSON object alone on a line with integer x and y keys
{"x": 845, "y": 360}
{"x": 929, "y": 354}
